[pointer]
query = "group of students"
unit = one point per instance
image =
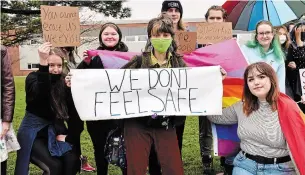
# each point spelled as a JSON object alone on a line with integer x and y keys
{"x": 50, "y": 132}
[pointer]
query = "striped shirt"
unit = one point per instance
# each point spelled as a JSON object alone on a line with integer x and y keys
{"x": 260, "y": 133}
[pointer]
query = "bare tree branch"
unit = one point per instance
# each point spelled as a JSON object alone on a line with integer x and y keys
{"x": 20, "y": 11}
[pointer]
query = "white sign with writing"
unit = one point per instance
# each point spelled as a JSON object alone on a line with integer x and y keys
{"x": 102, "y": 94}
{"x": 302, "y": 78}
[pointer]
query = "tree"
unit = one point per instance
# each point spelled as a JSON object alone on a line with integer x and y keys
{"x": 23, "y": 17}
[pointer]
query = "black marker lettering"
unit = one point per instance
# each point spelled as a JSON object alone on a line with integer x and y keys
{"x": 110, "y": 96}
{"x": 115, "y": 86}
{"x": 180, "y": 98}
{"x": 126, "y": 102}
{"x": 169, "y": 92}
{"x": 158, "y": 99}
{"x": 191, "y": 99}
{"x": 173, "y": 74}
{"x": 131, "y": 79}
{"x": 95, "y": 102}
{"x": 139, "y": 104}
{"x": 150, "y": 78}
{"x": 168, "y": 77}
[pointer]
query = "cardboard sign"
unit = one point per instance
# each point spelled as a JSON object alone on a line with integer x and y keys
{"x": 211, "y": 33}
{"x": 60, "y": 25}
{"x": 101, "y": 94}
{"x": 302, "y": 78}
{"x": 186, "y": 41}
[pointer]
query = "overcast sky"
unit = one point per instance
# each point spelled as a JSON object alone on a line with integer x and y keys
{"x": 147, "y": 9}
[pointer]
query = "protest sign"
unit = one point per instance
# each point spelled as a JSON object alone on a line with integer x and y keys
{"x": 127, "y": 93}
{"x": 208, "y": 33}
{"x": 302, "y": 78}
{"x": 60, "y": 25}
{"x": 186, "y": 41}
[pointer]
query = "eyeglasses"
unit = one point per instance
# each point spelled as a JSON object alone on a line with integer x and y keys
{"x": 268, "y": 33}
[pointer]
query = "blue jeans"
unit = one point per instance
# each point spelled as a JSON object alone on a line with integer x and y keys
{"x": 245, "y": 166}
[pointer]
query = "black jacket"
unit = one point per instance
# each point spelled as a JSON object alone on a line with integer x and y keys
{"x": 298, "y": 56}
{"x": 38, "y": 102}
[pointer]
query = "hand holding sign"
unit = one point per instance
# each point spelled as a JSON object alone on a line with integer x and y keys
{"x": 68, "y": 79}
{"x": 223, "y": 73}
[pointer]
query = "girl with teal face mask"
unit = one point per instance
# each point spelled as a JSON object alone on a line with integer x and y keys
{"x": 141, "y": 133}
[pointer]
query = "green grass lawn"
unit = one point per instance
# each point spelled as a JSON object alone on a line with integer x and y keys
{"x": 191, "y": 155}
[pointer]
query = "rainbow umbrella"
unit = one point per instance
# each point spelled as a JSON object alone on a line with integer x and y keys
{"x": 244, "y": 15}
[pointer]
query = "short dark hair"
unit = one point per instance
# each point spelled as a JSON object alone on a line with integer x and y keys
{"x": 218, "y": 8}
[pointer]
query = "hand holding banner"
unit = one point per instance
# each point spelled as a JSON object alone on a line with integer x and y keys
{"x": 126, "y": 93}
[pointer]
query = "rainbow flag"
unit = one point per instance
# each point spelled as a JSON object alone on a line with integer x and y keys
{"x": 292, "y": 121}
{"x": 225, "y": 138}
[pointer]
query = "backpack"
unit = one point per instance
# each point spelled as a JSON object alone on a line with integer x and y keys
{"x": 115, "y": 150}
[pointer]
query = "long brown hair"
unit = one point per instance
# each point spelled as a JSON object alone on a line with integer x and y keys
{"x": 58, "y": 95}
{"x": 250, "y": 101}
{"x": 180, "y": 25}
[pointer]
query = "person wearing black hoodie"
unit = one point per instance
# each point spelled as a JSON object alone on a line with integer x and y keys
{"x": 296, "y": 60}
{"x": 110, "y": 39}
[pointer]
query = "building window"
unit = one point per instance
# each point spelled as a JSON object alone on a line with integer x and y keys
{"x": 35, "y": 66}
{"x": 130, "y": 38}
{"x": 143, "y": 38}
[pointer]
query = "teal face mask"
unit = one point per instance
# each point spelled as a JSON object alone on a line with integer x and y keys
{"x": 161, "y": 44}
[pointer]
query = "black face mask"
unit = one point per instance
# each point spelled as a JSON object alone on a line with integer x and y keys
{"x": 303, "y": 36}
{"x": 54, "y": 78}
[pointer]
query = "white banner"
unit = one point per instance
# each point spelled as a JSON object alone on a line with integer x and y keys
{"x": 102, "y": 94}
{"x": 302, "y": 78}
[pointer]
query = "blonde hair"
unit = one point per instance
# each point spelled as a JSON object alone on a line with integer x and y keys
{"x": 181, "y": 25}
